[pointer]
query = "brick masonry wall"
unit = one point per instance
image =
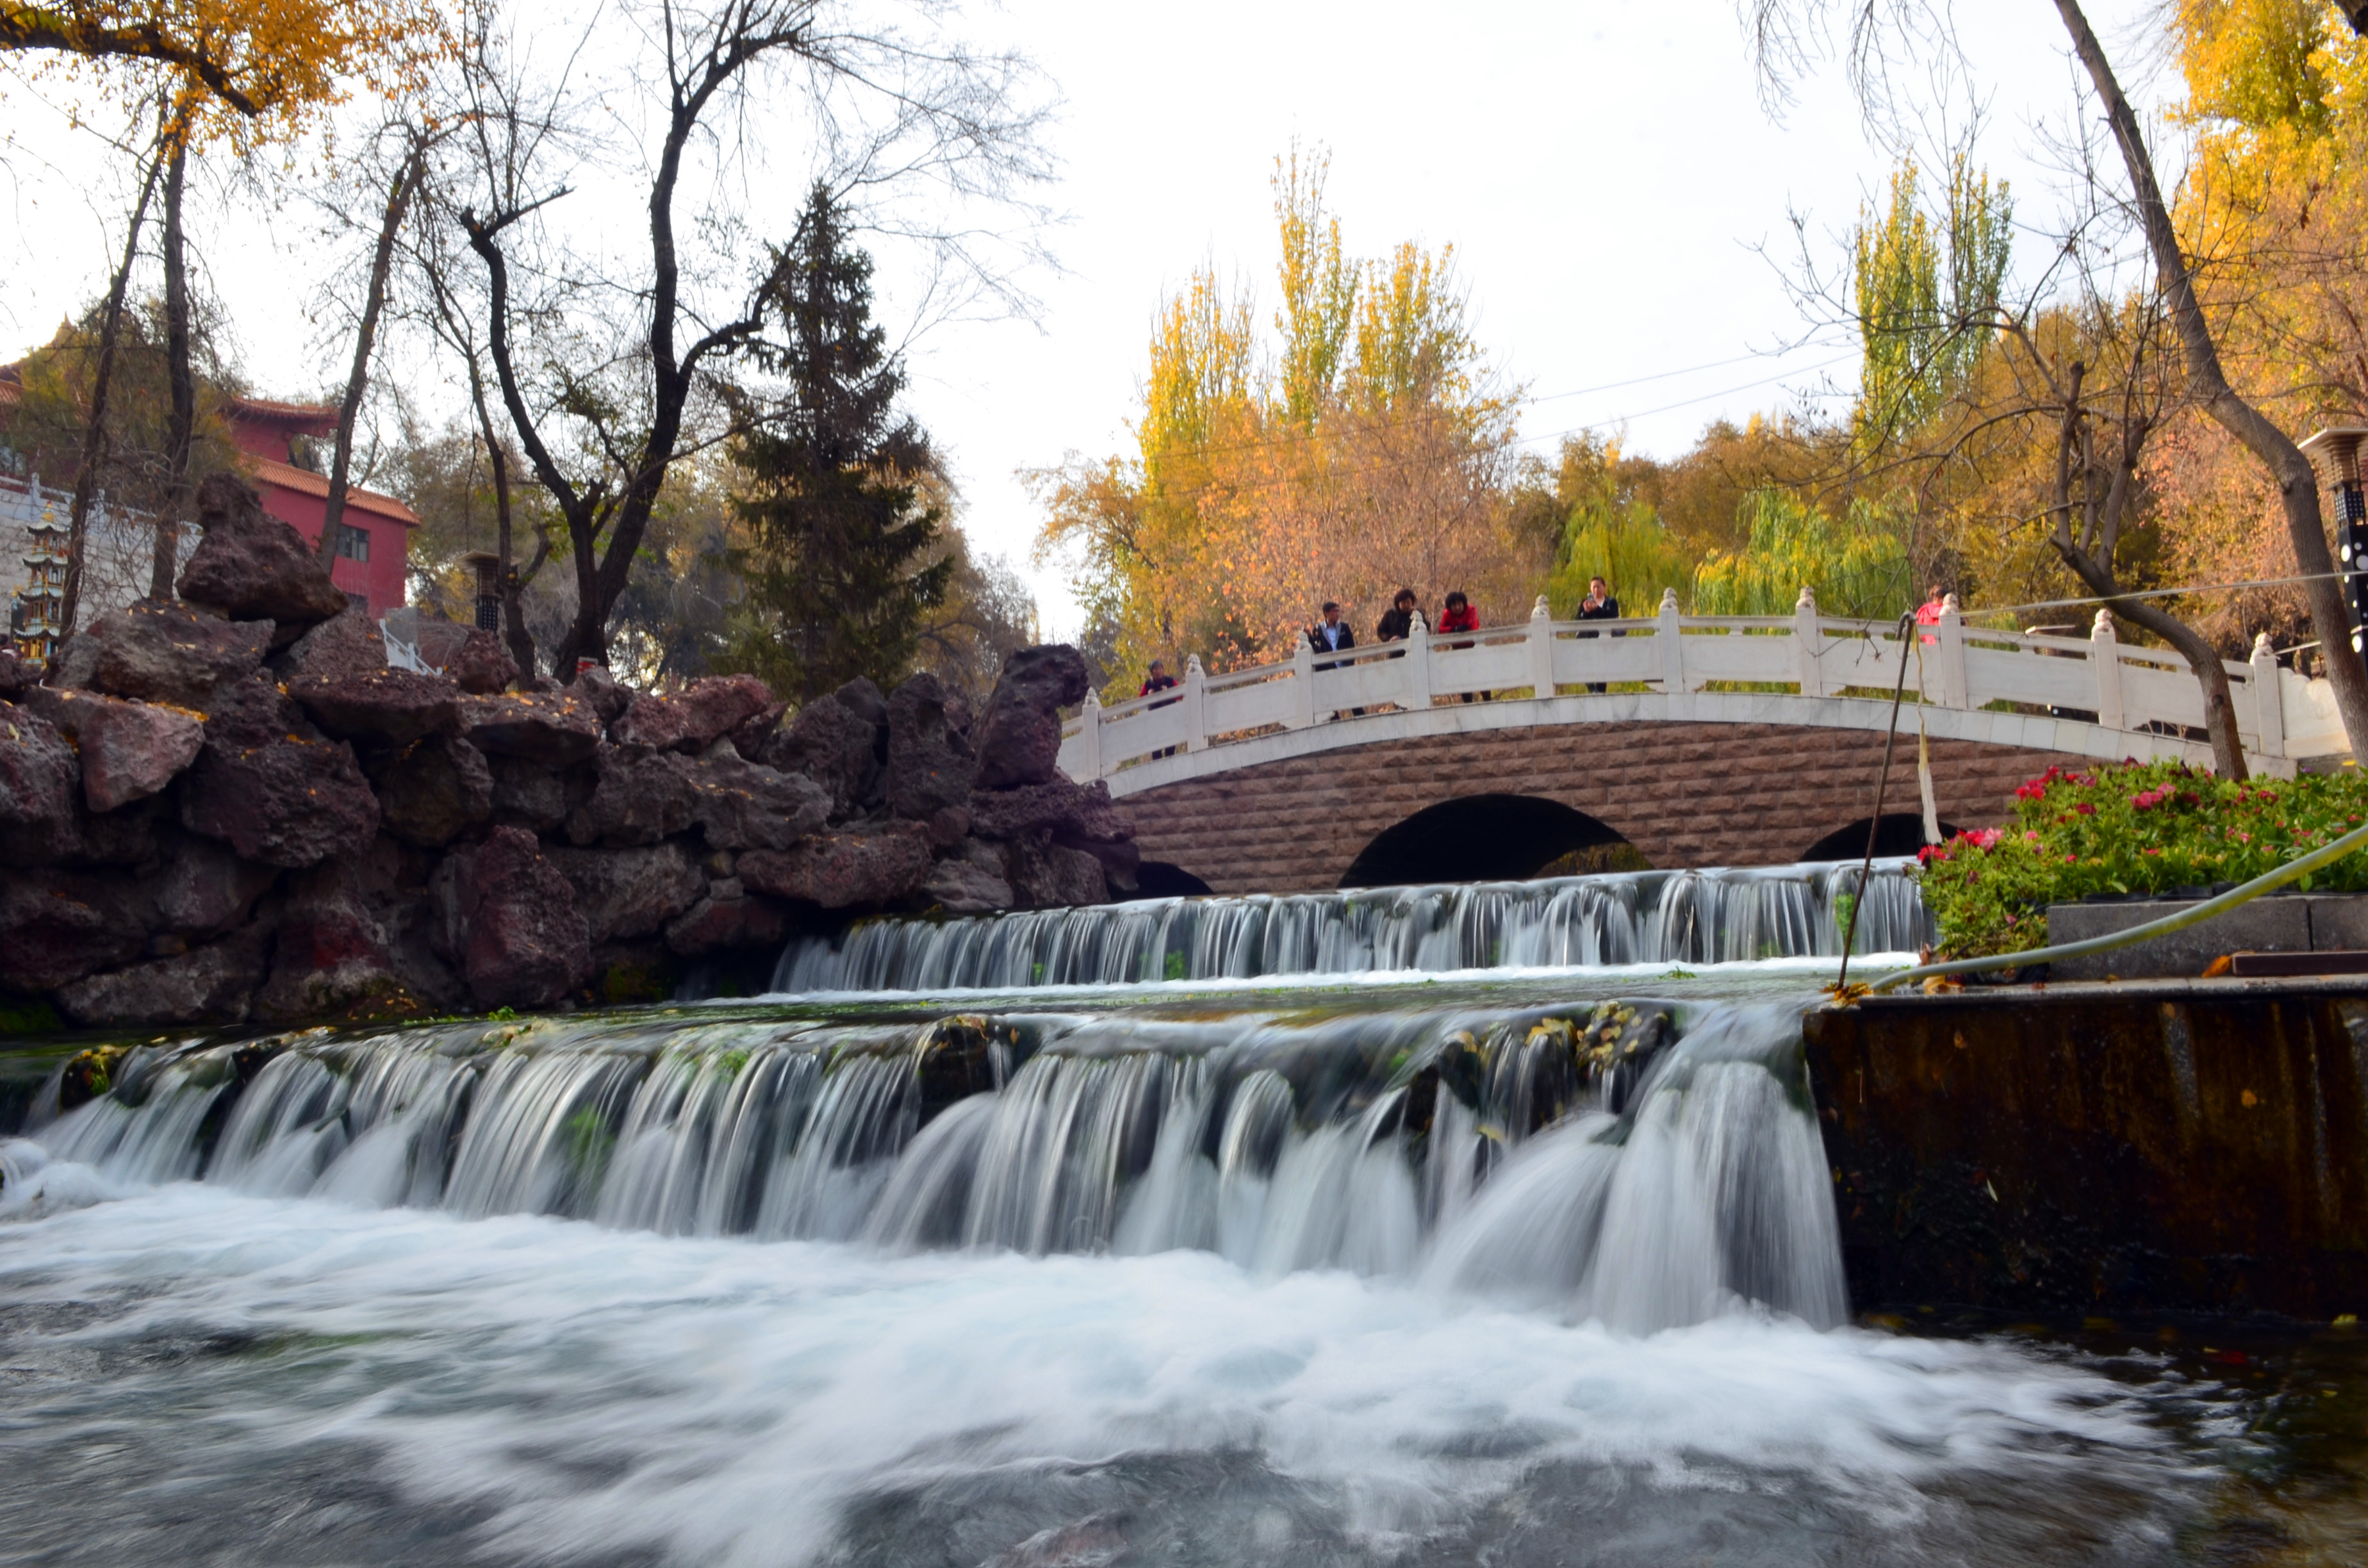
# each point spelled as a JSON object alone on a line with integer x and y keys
{"x": 1683, "y": 794}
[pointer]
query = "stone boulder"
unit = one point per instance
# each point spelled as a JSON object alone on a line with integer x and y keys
{"x": 1053, "y": 876}
{"x": 481, "y": 666}
{"x": 1019, "y": 736}
{"x": 929, "y": 764}
{"x": 436, "y": 790}
{"x": 335, "y": 948}
{"x": 132, "y": 750}
{"x": 204, "y": 890}
{"x": 38, "y": 777}
{"x": 610, "y": 697}
{"x": 204, "y": 985}
{"x": 842, "y": 870}
{"x": 346, "y": 644}
{"x": 1057, "y": 805}
{"x": 530, "y": 795}
{"x": 389, "y": 707}
{"x": 16, "y": 675}
{"x": 694, "y": 717}
{"x": 57, "y": 927}
{"x": 526, "y": 943}
{"x": 252, "y": 566}
{"x": 291, "y": 802}
{"x": 556, "y": 728}
{"x": 741, "y": 805}
{"x": 835, "y": 746}
{"x": 750, "y": 736}
{"x": 630, "y": 893}
{"x": 160, "y": 652}
{"x": 640, "y": 797}
{"x": 728, "y": 916}
{"x": 967, "y": 885}
{"x": 254, "y": 710}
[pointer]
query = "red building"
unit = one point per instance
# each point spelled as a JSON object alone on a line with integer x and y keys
{"x": 284, "y": 444}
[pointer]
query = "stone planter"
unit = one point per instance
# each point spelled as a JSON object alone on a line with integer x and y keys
{"x": 2280, "y": 923}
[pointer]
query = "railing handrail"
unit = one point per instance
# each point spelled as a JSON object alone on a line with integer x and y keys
{"x": 1543, "y": 655}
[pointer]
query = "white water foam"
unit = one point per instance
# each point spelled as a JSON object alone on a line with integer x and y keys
{"x": 725, "y": 1401}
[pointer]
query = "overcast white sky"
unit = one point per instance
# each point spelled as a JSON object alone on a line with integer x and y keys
{"x": 1602, "y": 167}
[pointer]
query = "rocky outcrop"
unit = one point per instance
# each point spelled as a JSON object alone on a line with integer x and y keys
{"x": 481, "y": 666}
{"x": 252, "y": 566}
{"x": 170, "y": 653}
{"x": 320, "y": 836}
{"x": 1020, "y": 734}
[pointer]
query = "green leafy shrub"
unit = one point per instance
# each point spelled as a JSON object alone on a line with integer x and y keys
{"x": 2154, "y": 828}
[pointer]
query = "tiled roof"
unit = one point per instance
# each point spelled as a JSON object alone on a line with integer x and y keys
{"x": 273, "y": 409}
{"x": 288, "y": 476}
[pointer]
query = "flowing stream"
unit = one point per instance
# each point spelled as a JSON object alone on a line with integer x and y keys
{"x": 1535, "y": 1267}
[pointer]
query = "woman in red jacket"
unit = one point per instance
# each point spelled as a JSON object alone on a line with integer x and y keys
{"x": 1457, "y": 615}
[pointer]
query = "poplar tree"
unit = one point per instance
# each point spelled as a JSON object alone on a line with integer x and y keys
{"x": 843, "y": 561}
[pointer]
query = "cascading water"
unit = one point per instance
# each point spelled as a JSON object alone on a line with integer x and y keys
{"x": 1716, "y": 916}
{"x": 1512, "y": 1266}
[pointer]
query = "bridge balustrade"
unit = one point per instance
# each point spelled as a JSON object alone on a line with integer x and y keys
{"x": 2097, "y": 680}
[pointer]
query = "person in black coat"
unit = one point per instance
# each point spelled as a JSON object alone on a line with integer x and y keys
{"x": 1598, "y": 604}
{"x": 1397, "y": 621}
{"x": 1331, "y": 635}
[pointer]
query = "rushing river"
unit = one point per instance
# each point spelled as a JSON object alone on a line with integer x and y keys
{"x": 1533, "y": 1263}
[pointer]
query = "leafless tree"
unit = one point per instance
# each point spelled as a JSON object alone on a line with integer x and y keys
{"x": 610, "y": 371}
{"x": 1789, "y": 36}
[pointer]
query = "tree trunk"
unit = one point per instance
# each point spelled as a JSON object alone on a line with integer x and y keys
{"x": 93, "y": 435}
{"x": 398, "y": 203}
{"x": 182, "y": 431}
{"x": 2219, "y": 707}
{"x": 2297, "y": 485}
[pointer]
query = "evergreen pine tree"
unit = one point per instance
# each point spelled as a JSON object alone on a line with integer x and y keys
{"x": 836, "y": 570}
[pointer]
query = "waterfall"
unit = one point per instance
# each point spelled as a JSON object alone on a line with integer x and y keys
{"x": 1634, "y": 1162}
{"x": 1712, "y": 917}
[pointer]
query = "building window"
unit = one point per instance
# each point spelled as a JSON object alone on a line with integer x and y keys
{"x": 353, "y": 543}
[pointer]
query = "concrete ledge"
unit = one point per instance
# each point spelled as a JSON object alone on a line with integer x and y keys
{"x": 2281, "y": 922}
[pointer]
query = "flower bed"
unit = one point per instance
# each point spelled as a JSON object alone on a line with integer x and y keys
{"x": 2156, "y": 827}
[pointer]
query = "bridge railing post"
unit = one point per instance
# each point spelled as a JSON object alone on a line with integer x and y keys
{"x": 1806, "y": 641}
{"x": 2268, "y": 699}
{"x": 1950, "y": 649}
{"x": 1418, "y": 663}
{"x": 1196, "y": 706}
{"x": 1089, "y": 737}
{"x": 1542, "y": 649}
{"x": 2105, "y": 659}
{"x": 1669, "y": 633}
{"x": 1302, "y": 687}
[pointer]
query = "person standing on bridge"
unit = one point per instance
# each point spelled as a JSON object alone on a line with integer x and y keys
{"x": 1928, "y": 612}
{"x": 1457, "y": 615}
{"x": 1397, "y": 621}
{"x": 1331, "y": 635}
{"x": 1598, "y": 604}
{"x": 1158, "y": 681}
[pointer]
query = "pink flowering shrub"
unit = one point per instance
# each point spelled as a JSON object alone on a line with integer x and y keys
{"x": 2153, "y": 827}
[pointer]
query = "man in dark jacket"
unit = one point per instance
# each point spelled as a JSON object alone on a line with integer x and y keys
{"x": 1331, "y": 635}
{"x": 1598, "y": 604}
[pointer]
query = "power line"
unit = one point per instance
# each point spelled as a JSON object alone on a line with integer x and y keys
{"x": 1687, "y": 403}
{"x": 1656, "y": 376}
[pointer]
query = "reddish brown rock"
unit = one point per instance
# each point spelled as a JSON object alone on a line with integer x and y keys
{"x": 740, "y": 805}
{"x": 841, "y": 870}
{"x": 205, "y": 890}
{"x": 38, "y": 777}
{"x": 530, "y": 795}
{"x": 609, "y": 698}
{"x": 751, "y": 735}
{"x": 336, "y": 950}
{"x": 967, "y": 886}
{"x": 693, "y": 718}
{"x": 1019, "y": 736}
{"x": 389, "y": 707}
{"x": 131, "y": 750}
{"x": 436, "y": 790}
{"x": 205, "y": 985}
{"x": 57, "y": 927}
{"x": 480, "y": 666}
{"x": 344, "y": 644}
{"x": 16, "y": 675}
{"x": 834, "y": 744}
{"x": 929, "y": 766}
{"x": 556, "y": 728}
{"x": 1056, "y": 805}
{"x": 291, "y": 802}
{"x": 1051, "y": 876}
{"x": 527, "y": 944}
{"x": 630, "y": 893}
{"x": 160, "y": 652}
{"x": 640, "y": 797}
{"x": 728, "y": 917}
{"x": 252, "y": 566}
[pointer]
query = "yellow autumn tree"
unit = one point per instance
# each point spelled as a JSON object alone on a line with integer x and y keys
{"x": 1362, "y": 449}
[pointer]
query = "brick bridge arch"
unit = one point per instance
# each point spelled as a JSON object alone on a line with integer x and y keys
{"x": 1683, "y": 793}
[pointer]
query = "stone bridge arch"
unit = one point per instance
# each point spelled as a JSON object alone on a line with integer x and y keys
{"x": 1682, "y": 793}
